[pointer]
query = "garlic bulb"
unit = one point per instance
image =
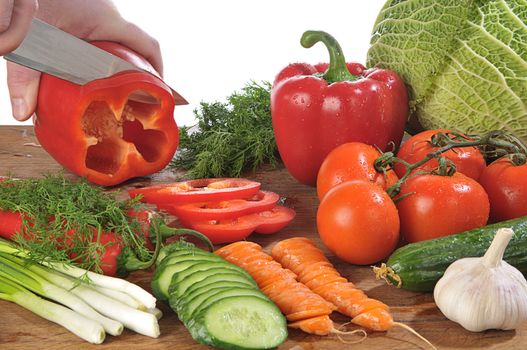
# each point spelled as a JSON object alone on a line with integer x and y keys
{"x": 486, "y": 292}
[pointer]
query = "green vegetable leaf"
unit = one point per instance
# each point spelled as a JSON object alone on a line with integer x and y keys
{"x": 465, "y": 61}
{"x": 62, "y": 220}
{"x": 231, "y": 137}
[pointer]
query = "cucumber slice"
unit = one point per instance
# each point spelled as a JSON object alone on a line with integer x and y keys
{"x": 163, "y": 277}
{"x": 204, "y": 266}
{"x": 178, "y": 248}
{"x": 240, "y": 322}
{"x": 175, "y": 259}
{"x": 185, "y": 306}
{"x": 215, "y": 276}
{"x": 213, "y": 298}
{"x": 175, "y": 249}
{"x": 181, "y": 287}
{"x": 172, "y": 265}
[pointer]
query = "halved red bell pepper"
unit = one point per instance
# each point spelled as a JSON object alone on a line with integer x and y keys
{"x": 315, "y": 109}
{"x": 225, "y": 209}
{"x": 232, "y": 230}
{"x": 97, "y": 132}
{"x": 199, "y": 190}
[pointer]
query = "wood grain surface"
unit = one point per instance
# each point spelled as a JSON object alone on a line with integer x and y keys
{"x": 21, "y": 157}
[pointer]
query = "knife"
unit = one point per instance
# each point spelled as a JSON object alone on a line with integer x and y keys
{"x": 55, "y": 52}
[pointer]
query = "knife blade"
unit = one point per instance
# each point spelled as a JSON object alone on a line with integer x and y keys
{"x": 53, "y": 51}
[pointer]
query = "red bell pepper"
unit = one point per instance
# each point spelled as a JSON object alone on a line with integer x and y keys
{"x": 199, "y": 190}
{"x": 314, "y": 111}
{"x": 116, "y": 258}
{"x": 232, "y": 230}
{"x": 96, "y": 132}
{"x": 225, "y": 209}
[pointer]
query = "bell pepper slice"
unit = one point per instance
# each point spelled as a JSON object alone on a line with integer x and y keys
{"x": 99, "y": 131}
{"x": 232, "y": 230}
{"x": 199, "y": 190}
{"x": 225, "y": 209}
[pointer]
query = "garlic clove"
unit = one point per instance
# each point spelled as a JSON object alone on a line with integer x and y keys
{"x": 484, "y": 293}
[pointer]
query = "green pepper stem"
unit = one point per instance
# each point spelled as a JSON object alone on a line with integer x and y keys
{"x": 337, "y": 70}
{"x": 167, "y": 232}
{"x": 132, "y": 263}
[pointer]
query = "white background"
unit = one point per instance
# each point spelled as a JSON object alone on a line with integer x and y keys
{"x": 213, "y": 47}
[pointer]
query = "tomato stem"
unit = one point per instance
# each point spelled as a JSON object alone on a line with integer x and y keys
{"x": 501, "y": 144}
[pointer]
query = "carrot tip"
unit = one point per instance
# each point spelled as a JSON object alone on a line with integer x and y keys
{"x": 340, "y": 333}
{"x": 388, "y": 274}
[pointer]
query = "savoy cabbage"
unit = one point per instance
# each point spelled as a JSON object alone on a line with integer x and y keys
{"x": 464, "y": 61}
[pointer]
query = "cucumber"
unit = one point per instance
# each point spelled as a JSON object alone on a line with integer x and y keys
{"x": 226, "y": 293}
{"x": 218, "y": 302}
{"x": 204, "y": 266}
{"x": 186, "y": 306}
{"x": 180, "y": 247}
{"x": 218, "y": 277}
{"x": 175, "y": 259}
{"x": 418, "y": 266}
{"x": 162, "y": 277}
{"x": 180, "y": 287}
{"x": 172, "y": 265}
{"x": 240, "y": 323}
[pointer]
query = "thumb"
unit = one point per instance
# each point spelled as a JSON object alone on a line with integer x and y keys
{"x": 23, "y": 90}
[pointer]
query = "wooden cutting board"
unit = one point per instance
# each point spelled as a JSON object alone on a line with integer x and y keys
{"x": 21, "y": 157}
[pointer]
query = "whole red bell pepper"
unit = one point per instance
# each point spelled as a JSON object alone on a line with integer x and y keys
{"x": 314, "y": 111}
{"x": 97, "y": 132}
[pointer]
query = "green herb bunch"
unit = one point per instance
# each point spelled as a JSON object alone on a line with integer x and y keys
{"x": 63, "y": 221}
{"x": 231, "y": 137}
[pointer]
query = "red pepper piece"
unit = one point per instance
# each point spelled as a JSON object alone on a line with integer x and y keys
{"x": 10, "y": 223}
{"x": 226, "y": 209}
{"x": 200, "y": 190}
{"x": 315, "y": 109}
{"x": 232, "y": 230}
{"x": 96, "y": 132}
{"x": 115, "y": 259}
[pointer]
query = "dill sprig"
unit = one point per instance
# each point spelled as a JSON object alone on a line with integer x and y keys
{"x": 231, "y": 137}
{"x": 63, "y": 221}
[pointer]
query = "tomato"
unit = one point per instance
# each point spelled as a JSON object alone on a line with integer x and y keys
{"x": 436, "y": 206}
{"x": 232, "y": 230}
{"x": 358, "y": 222}
{"x": 468, "y": 160}
{"x": 351, "y": 161}
{"x": 506, "y": 185}
{"x": 227, "y": 209}
{"x": 199, "y": 190}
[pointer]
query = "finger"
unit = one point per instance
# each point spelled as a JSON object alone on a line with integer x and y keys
{"x": 20, "y": 20}
{"x": 6, "y": 9}
{"x": 135, "y": 38}
{"x": 23, "y": 85}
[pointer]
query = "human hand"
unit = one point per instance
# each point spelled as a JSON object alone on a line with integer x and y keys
{"x": 89, "y": 20}
{"x": 15, "y": 18}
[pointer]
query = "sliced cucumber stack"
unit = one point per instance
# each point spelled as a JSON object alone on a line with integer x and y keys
{"x": 218, "y": 302}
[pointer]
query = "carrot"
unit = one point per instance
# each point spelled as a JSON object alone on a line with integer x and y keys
{"x": 313, "y": 269}
{"x": 306, "y": 310}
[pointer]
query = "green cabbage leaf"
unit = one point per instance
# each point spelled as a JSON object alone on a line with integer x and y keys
{"x": 464, "y": 61}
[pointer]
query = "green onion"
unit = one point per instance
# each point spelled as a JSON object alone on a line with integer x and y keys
{"x": 120, "y": 296}
{"x": 79, "y": 325}
{"x": 13, "y": 268}
{"x": 87, "y": 310}
{"x": 147, "y": 299}
{"x": 139, "y": 321}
